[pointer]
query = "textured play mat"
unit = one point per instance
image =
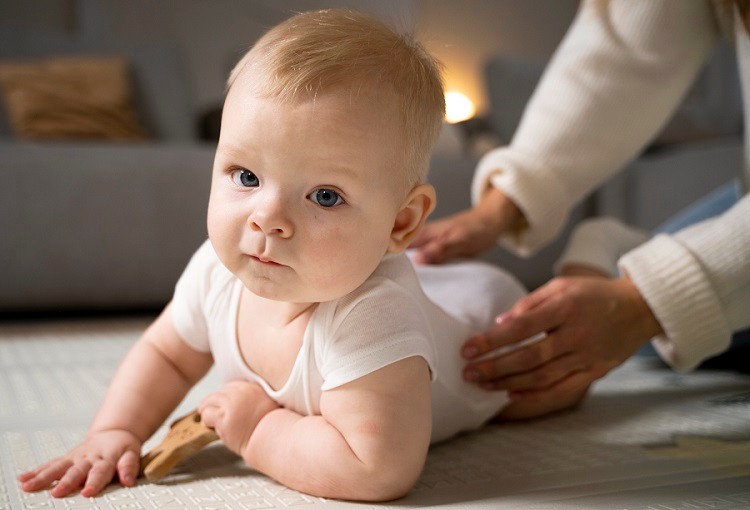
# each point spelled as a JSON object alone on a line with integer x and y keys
{"x": 646, "y": 438}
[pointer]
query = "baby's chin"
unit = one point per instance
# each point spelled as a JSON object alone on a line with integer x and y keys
{"x": 312, "y": 293}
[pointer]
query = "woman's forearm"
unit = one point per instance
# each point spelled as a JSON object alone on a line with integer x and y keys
{"x": 596, "y": 107}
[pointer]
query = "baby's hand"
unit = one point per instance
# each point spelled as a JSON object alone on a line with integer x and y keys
{"x": 234, "y": 412}
{"x": 91, "y": 465}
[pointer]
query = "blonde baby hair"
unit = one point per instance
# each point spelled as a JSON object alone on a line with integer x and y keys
{"x": 312, "y": 51}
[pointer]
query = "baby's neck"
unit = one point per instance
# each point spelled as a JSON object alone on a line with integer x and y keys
{"x": 281, "y": 313}
{"x": 270, "y": 335}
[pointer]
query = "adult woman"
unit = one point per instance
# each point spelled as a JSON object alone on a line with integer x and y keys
{"x": 616, "y": 77}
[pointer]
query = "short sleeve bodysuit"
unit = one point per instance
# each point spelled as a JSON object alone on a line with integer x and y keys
{"x": 387, "y": 319}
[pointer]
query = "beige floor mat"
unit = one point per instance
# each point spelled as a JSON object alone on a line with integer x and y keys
{"x": 645, "y": 438}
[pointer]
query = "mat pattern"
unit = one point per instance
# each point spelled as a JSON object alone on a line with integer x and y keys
{"x": 645, "y": 438}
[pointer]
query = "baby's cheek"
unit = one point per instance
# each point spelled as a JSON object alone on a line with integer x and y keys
{"x": 342, "y": 258}
{"x": 330, "y": 280}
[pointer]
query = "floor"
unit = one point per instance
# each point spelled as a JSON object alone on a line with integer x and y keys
{"x": 646, "y": 438}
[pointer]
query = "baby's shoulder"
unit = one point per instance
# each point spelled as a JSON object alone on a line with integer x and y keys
{"x": 376, "y": 325}
{"x": 378, "y": 295}
{"x": 205, "y": 267}
{"x": 378, "y": 310}
{"x": 206, "y": 284}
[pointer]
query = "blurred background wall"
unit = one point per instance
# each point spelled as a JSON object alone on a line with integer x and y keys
{"x": 213, "y": 33}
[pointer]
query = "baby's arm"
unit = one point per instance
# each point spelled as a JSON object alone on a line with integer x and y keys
{"x": 151, "y": 381}
{"x": 369, "y": 444}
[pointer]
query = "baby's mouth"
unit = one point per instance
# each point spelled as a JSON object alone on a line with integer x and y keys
{"x": 264, "y": 261}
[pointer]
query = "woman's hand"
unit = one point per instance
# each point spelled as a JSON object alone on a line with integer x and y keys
{"x": 591, "y": 325}
{"x": 467, "y": 233}
{"x": 234, "y": 412}
{"x": 92, "y": 465}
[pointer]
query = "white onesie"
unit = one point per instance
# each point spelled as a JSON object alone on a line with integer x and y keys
{"x": 387, "y": 319}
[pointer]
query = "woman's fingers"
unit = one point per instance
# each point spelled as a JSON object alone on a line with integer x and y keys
{"x": 536, "y": 298}
{"x": 574, "y": 384}
{"x": 435, "y": 247}
{"x": 544, "y": 376}
{"x": 513, "y": 328}
{"x": 428, "y": 243}
{"x": 427, "y": 233}
{"x": 462, "y": 235}
{"x": 520, "y": 361}
{"x": 591, "y": 325}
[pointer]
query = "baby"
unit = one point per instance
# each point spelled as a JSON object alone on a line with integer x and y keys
{"x": 339, "y": 371}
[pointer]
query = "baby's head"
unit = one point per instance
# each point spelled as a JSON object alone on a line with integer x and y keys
{"x": 325, "y": 141}
{"x": 342, "y": 51}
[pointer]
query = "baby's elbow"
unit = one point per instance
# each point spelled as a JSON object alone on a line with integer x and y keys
{"x": 395, "y": 467}
{"x": 388, "y": 481}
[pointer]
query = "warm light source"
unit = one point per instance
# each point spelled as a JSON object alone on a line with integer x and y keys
{"x": 458, "y": 107}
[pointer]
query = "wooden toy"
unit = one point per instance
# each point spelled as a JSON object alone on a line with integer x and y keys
{"x": 186, "y": 436}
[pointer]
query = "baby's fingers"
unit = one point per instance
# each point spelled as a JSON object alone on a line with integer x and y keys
{"x": 43, "y": 476}
{"x": 72, "y": 479}
{"x": 28, "y": 475}
{"x": 212, "y": 404}
{"x": 211, "y": 400}
{"x": 98, "y": 477}
{"x": 210, "y": 416}
{"x": 127, "y": 468}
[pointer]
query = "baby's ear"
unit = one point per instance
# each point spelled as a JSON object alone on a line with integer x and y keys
{"x": 419, "y": 203}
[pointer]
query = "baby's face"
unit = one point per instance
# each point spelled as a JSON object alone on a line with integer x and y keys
{"x": 305, "y": 194}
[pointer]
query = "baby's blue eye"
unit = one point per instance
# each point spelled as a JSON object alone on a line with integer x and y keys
{"x": 245, "y": 178}
{"x": 325, "y": 197}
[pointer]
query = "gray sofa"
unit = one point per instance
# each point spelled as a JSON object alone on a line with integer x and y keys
{"x": 103, "y": 225}
{"x": 110, "y": 226}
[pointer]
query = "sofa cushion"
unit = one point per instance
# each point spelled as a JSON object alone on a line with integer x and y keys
{"x": 99, "y": 225}
{"x": 160, "y": 83}
{"x": 79, "y": 98}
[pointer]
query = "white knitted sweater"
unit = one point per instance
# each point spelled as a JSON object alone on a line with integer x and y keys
{"x": 617, "y": 76}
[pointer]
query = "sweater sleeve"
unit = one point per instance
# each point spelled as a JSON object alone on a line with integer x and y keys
{"x": 598, "y": 243}
{"x": 697, "y": 283}
{"x": 620, "y": 71}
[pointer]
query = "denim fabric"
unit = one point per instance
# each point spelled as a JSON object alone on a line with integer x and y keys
{"x": 737, "y": 357}
{"x": 711, "y": 205}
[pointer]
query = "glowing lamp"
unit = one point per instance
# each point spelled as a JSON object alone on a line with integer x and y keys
{"x": 458, "y": 107}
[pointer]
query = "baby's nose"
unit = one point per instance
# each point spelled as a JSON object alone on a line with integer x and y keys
{"x": 271, "y": 221}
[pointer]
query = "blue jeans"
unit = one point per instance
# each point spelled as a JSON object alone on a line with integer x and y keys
{"x": 713, "y": 204}
{"x": 737, "y": 357}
